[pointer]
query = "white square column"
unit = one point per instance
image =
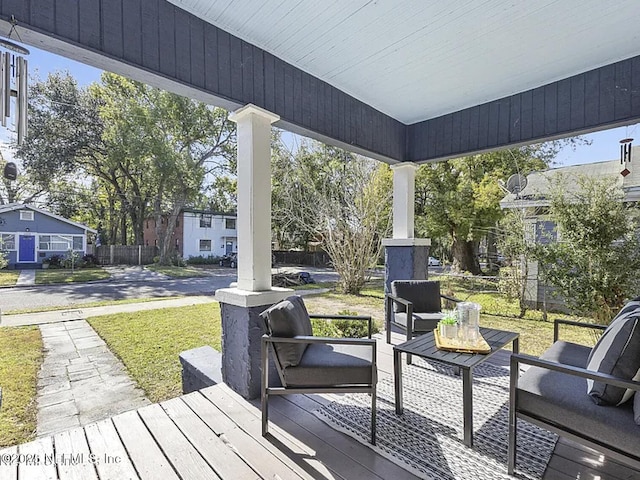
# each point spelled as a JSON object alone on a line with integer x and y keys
{"x": 404, "y": 192}
{"x": 254, "y": 197}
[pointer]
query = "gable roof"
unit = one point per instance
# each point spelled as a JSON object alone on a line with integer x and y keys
{"x": 10, "y": 207}
{"x": 536, "y": 193}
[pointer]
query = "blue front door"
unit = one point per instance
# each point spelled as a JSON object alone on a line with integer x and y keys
{"x": 27, "y": 248}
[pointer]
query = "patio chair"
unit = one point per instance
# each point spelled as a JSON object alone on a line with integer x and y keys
{"x": 414, "y": 306}
{"x": 309, "y": 364}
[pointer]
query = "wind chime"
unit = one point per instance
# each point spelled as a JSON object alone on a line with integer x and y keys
{"x": 625, "y": 156}
{"x": 13, "y": 84}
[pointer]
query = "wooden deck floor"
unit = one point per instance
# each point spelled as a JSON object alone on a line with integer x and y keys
{"x": 214, "y": 433}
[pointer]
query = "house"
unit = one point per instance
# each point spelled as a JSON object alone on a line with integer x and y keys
{"x": 198, "y": 233}
{"x": 30, "y": 234}
{"x": 534, "y": 199}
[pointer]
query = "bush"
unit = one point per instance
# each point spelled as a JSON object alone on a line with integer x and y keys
{"x": 55, "y": 261}
{"x": 202, "y": 260}
{"x": 89, "y": 260}
{"x": 4, "y": 259}
{"x": 72, "y": 260}
{"x": 343, "y": 328}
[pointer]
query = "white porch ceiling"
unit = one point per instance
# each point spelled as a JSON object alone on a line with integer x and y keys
{"x": 419, "y": 59}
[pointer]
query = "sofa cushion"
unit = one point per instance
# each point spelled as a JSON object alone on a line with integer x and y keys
{"x": 636, "y": 408}
{"x": 424, "y": 294}
{"x": 422, "y": 322}
{"x": 288, "y": 318}
{"x": 334, "y": 365}
{"x": 617, "y": 353}
{"x": 558, "y": 398}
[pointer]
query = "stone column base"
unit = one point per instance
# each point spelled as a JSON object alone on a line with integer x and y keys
{"x": 242, "y": 330}
{"x": 405, "y": 259}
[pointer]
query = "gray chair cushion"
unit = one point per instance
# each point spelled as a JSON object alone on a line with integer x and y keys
{"x": 617, "y": 352}
{"x": 332, "y": 365}
{"x": 636, "y": 408}
{"x": 558, "y": 397}
{"x": 424, "y": 294}
{"x": 288, "y": 318}
{"x": 422, "y": 322}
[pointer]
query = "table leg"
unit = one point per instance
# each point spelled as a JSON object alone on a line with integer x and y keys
{"x": 467, "y": 405}
{"x": 397, "y": 379}
{"x": 515, "y": 348}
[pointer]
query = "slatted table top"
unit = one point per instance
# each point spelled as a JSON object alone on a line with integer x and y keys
{"x": 425, "y": 347}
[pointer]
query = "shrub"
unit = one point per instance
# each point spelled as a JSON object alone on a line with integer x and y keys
{"x": 55, "y": 261}
{"x": 343, "y": 328}
{"x": 71, "y": 260}
{"x": 4, "y": 259}
{"x": 202, "y": 260}
{"x": 89, "y": 260}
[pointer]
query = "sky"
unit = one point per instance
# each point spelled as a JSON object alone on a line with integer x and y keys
{"x": 604, "y": 145}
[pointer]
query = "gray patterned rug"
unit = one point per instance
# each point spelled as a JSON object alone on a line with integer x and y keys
{"x": 427, "y": 439}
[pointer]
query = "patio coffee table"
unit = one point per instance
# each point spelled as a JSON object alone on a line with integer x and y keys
{"x": 425, "y": 346}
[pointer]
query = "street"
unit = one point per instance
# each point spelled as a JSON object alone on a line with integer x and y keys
{"x": 43, "y": 296}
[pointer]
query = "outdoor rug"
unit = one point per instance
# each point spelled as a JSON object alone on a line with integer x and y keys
{"x": 427, "y": 439}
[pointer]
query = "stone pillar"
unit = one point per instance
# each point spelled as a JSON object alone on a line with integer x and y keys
{"x": 406, "y": 257}
{"x": 240, "y": 307}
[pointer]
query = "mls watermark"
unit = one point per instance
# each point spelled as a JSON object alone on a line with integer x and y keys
{"x": 64, "y": 459}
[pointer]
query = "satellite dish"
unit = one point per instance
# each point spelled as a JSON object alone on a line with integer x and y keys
{"x": 10, "y": 171}
{"x": 516, "y": 183}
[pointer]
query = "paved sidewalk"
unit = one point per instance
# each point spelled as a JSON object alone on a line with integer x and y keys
{"x": 55, "y": 316}
{"x": 26, "y": 277}
{"x": 80, "y": 381}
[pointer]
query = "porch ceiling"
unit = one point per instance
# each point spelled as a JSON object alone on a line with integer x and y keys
{"x": 415, "y": 60}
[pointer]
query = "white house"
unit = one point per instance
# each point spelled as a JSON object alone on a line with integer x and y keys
{"x": 199, "y": 233}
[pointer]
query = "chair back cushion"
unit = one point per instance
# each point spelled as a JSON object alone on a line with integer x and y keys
{"x": 617, "y": 353}
{"x": 636, "y": 408}
{"x": 288, "y": 318}
{"x": 424, "y": 294}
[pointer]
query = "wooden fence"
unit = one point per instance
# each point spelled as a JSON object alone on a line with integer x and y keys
{"x": 125, "y": 254}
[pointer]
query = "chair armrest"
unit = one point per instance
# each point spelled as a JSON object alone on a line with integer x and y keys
{"x": 451, "y": 299}
{"x": 558, "y": 321}
{"x": 401, "y": 300}
{"x": 325, "y": 340}
{"x": 366, "y": 318}
{"x": 517, "y": 359}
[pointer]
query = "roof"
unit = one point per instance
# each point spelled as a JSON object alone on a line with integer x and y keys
{"x": 535, "y": 194}
{"x": 10, "y": 207}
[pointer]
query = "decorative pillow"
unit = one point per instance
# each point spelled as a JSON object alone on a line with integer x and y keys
{"x": 288, "y": 318}
{"x": 424, "y": 294}
{"x": 617, "y": 353}
{"x": 636, "y": 408}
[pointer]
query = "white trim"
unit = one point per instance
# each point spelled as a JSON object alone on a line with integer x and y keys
{"x": 406, "y": 242}
{"x": 244, "y": 298}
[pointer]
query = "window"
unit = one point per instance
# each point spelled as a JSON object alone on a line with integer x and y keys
{"x": 205, "y": 221}
{"x": 60, "y": 243}
{"x": 7, "y": 241}
{"x": 26, "y": 215}
{"x": 230, "y": 223}
{"x": 205, "y": 245}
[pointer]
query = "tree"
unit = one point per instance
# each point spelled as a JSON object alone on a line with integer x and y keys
{"x": 595, "y": 258}
{"x": 342, "y": 200}
{"x": 460, "y": 198}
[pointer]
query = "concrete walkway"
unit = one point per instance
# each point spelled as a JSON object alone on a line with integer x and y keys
{"x": 56, "y": 316}
{"x": 26, "y": 278}
{"x": 80, "y": 381}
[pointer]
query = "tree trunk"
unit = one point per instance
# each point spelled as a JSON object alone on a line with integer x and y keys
{"x": 464, "y": 258}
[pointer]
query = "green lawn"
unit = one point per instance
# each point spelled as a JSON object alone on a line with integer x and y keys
{"x": 20, "y": 359}
{"x": 178, "y": 272}
{"x": 149, "y": 343}
{"x": 8, "y": 277}
{"x": 70, "y": 276}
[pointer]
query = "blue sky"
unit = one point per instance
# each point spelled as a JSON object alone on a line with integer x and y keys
{"x": 605, "y": 145}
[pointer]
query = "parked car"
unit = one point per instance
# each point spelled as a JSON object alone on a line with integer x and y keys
{"x": 434, "y": 262}
{"x": 230, "y": 260}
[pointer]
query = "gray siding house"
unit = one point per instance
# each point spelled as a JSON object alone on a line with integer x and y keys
{"x": 534, "y": 200}
{"x": 29, "y": 235}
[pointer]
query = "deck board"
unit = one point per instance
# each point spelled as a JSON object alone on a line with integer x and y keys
{"x": 183, "y": 456}
{"x": 143, "y": 450}
{"x": 111, "y": 458}
{"x": 34, "y": 465}
{"x": 72, "y": 452}
{"x": 251, "y": 450}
